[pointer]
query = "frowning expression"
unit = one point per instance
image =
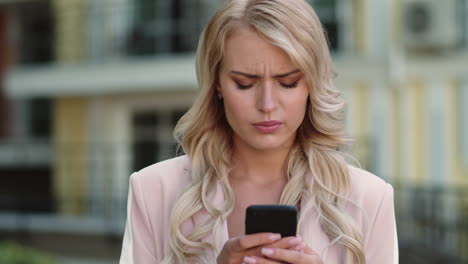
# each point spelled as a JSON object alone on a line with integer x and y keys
{"x": 264, "y": 92}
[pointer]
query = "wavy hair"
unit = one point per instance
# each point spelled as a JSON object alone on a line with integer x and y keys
{"x": 206, "y": 137}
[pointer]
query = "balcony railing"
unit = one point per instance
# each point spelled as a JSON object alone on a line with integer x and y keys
{"x": 32, "y": 152}
{"x": 72, "y": 215}
{"x": 432, "y": 223}
{"x": 113, "y": 29}
{"x": 107, "y": 30}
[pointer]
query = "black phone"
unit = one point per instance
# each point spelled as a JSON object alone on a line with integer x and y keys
{"x": 273, "y": 218}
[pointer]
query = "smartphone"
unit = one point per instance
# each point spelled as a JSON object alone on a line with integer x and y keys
{"x": 275, "y": 218}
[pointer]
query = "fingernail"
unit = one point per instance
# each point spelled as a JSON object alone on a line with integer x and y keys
{"x": 249, "y": 260}
{"x": 267, "y": 251}
{"x": 294, "y": 241}
{"x": 274, "y": 236}
{"x": 300, "y": 247}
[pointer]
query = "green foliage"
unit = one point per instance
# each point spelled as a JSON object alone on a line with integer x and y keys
{"x": 12, "y": 253}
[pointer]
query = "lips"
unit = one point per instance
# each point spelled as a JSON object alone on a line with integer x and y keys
{"x": 269, "y": 126}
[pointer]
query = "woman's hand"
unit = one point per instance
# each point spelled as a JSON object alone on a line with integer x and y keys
{"x": 239, "y": 249}
{"x": 301, "y": 254}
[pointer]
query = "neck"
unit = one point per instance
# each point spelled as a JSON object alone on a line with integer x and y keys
{"x": 259, "y": 166}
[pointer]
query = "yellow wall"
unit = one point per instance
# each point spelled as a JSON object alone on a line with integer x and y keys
{"x": 359, "y": 21}
{"x": 395, "y": 134}
{"x": 71, "y": 164}
{"x": 419, "y": 134}
{"x": 70, "y": 114}
{"x": 414, "y": 133}
{"x": 454, "y": 146}
{"x": 360, "y": 126}
{"x": 70, "y": 28}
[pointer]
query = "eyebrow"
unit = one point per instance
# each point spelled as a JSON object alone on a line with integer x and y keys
{"x": 254, "y": 76}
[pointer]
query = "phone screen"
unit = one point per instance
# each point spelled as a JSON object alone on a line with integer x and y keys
{"x": 280, "y": 219}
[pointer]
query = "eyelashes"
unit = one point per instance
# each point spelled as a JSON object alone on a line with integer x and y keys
{"x": 243, "y": 87}
{"x": 292, "y": 85}
{"x": 285, "y": 85}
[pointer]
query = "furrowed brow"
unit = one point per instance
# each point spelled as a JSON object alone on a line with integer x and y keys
{"x": 282, "y": 75}
{"x": 254, "y": 76}
{"x": 248, "y": 75}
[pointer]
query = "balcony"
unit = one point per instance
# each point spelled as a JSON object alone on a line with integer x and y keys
{"x": 432, "y": 223}
{"x": 30, "y": 154}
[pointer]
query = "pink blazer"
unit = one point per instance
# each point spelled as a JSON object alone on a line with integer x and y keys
{"x": 154, "y": 190}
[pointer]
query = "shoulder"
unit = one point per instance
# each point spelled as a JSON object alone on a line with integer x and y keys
{"x": 167, "y": 172}
{"x": 367, "y": 185}
{"x": 369, "y": 193}
{"x": 166, "y": 178}
{"x": 372, "y": 206}
{"x": 156, "y": 187}
{"x": 152, "y": 195}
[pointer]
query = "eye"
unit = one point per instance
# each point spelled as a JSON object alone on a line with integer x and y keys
{"x": 290, "y": 85}
{"x": 243, "y": 87}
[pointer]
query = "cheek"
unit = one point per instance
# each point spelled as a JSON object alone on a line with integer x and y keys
{"x": 299, "y": 107}
{"x": 235, "y": 109}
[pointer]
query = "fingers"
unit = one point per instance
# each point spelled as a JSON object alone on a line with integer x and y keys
{"x": 254, "y": 240}
{"x": 309, "y": 251}
{"x": 280, "y": 255}
{"x": 291, "y": 256}
{"x": 288, "y": 243}
{"x": 257, "y": 260}
{"x": 292, "y": 243}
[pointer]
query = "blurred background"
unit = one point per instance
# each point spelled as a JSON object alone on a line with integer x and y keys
{"x": 90, "y": 91}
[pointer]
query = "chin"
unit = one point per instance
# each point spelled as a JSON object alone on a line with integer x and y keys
{"x": 265, "y": 142}
{"x": 267, "y": 145}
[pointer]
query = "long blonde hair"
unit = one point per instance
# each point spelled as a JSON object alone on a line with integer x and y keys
{"x": 206, "y": 137}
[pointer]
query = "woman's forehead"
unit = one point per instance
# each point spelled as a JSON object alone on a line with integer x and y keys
{"x": 247, "y": 50}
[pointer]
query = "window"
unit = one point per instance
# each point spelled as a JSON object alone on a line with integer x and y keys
{"x": 27, "y": 158}
{"x": 161, "y": 26}
{"x": 40, "y": 122}
{"x": 35, "y": 32}
{"x": 327, "y": 12}
{"x": 26, "y": 189}
{"x": 145, "y": 142}
{"x": 462, "y": 21}
{"x": 4, "y": 57}
{"x": 168, "y": 26}
{"x": 152, "y": 136}
{"x": 4, "y": 120}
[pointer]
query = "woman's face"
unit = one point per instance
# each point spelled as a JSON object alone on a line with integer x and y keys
{"x": 264, "y": 93}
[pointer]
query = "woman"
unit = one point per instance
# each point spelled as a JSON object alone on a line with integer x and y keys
{"x": 266, "y": 128}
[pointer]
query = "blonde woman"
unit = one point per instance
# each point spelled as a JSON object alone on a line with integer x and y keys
{"x": 266, "y": 128}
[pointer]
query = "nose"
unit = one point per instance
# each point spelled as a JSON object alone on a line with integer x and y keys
{"x": 266, "y": 97}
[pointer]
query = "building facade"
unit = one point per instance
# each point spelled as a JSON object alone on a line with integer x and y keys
{"x": 97, "y": 98}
